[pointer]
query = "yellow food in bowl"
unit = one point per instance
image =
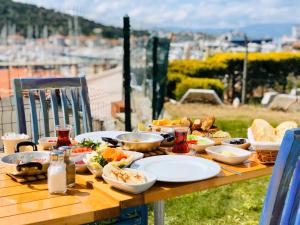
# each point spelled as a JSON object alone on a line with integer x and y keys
{"x": 227, "y": 153}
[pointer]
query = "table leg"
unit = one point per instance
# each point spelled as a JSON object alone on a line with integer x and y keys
{"x": 159, "y": 212}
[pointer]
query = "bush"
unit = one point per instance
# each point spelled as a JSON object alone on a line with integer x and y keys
{"x": 204, "y": 83}
{"x": 197, "y": 68}
{"x": 269, "y": 70}
{"x": 173, "y": 80}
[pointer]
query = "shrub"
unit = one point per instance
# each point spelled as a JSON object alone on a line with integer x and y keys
{"x": 173, "y": 80}
{"x": 197, "y": 68}
{"x": 204, "y": 83}
{"x": 268, "y": 70}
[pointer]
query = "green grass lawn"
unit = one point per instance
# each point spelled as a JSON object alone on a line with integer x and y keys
{"x": 234, "y": 204}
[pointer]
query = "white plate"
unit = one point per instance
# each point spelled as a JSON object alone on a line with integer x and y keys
{"x": 173, "y": 168}
{"x": 97, "y": 136}
{"x": 240, "y": 155}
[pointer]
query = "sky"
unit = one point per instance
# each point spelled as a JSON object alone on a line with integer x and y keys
{"x": 192, "y": 14}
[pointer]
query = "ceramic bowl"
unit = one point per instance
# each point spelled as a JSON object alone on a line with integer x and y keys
{"x": 228, "y": 154}
{"x": 201, "y": 147}
{"x": 245, "y": 145}
{"x": 130, "y": 188}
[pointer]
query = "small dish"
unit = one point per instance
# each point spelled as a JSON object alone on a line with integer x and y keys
{"x": 228, "y": 154}
{"x": 130, "y": 188}
{"x": 47, "y": 143}
{"x": 200, "y": 143}
{"x": 168, "y": 151}
{"x": 81, "y": 167}
{"x": 234, "y": 142}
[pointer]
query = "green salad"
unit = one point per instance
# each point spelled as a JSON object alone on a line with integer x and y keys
{"x": 196, "y": 140}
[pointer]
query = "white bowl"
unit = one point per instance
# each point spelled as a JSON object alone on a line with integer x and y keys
{"x": 47, "y": 142}
{"x": 130, "y": 188}
{"x": 81, "y": 168}
{"x": 202, "y": 147}
{"x": 245, "y": 145}
{"x": 240, "y": 155}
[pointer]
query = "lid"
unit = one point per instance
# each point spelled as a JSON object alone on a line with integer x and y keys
{"x": 66, "y": 150}
{"x": 56, "y": 155}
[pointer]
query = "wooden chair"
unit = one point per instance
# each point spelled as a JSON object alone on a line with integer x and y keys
{"x": 74, "y": 87}
{"x": 275, "y": 210}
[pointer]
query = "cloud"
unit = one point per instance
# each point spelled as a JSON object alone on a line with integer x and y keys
{"x": 178, "y": 13}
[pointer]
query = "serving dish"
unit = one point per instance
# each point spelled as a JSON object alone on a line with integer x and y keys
{"x": 142, "y": 142}
{"x": 200, "y": 143}
{"x": 129, "y": 187}
{"x": 47, "y": 143}
{"x": 96, "y": 166}
{"x": 228, "y": 154}
{"x": 26, "y": 163}
{"x": 234, "y": 142}
{"x": 175, "y": 168}
{"x": 81, "y": 167}
{"x": 97, "y": 135}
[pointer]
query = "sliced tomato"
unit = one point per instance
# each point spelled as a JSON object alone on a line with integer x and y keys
{"x": 119, "y": 156}
{"x": 192, "y": 142}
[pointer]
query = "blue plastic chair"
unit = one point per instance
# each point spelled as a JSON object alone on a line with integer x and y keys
{"x": 291, "y": 204}
{"x": 282, "y": 178}
{"x": 74, "y": 87}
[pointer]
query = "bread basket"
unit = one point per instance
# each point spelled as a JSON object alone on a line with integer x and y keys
{"x": 266, "y": 151}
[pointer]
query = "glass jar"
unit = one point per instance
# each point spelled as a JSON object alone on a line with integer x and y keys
{"x": 57, "y": 183}
{"x": 63, "y": 135}
{"x": 70, "y": 166}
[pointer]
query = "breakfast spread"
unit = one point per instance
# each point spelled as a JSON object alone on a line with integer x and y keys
{"x": 185, "y": 122}
{"x": 104, "y": 155}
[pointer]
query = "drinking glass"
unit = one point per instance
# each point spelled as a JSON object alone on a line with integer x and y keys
{"x": 63, "y": 135}
{"x": 180, "y": 136}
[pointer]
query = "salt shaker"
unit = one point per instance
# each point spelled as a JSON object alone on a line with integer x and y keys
{"x": 57, "y": 183}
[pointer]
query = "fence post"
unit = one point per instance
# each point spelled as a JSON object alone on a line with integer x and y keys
{"x": 154, "y": 78}
{"x": 126, "y": 72}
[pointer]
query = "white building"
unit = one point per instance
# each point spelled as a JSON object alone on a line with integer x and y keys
{"x": 296, "y": 32}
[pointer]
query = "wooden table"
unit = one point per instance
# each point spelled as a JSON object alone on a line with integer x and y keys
{"x": 31, "y": 203}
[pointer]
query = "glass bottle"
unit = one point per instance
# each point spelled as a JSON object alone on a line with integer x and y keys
{"x": 57, "y": 174}
{"x": 70, "y": 166}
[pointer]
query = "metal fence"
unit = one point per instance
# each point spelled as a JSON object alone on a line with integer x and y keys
{"x": 8, "y": 116}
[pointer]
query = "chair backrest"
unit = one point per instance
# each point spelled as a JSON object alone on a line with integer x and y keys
{"x": 281, "y": 178}
{"x": 291, "y": 205}
{"x": 74, "y": 87}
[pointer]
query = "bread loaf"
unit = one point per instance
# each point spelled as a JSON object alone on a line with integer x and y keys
{"x": 282, "y": 128}
{"x": 263, "y": 131}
